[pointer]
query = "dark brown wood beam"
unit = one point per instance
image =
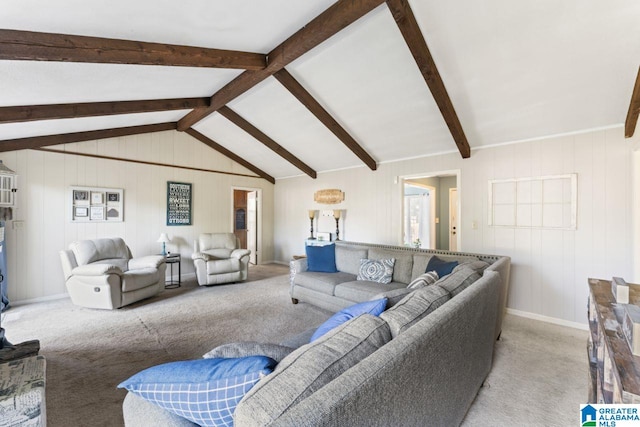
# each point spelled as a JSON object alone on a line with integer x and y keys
{"x": 337, "y": 17}
{"x": 410, "y": 30}
{"x": 42, "y": 141}
{"x": 29, "y": 113}
{"x": 634, "y": 109}
{"x": 31, "y": 46}
{"x": 297, "y": 90}
{"x": 222, "y": 150}
{"x": 236, "y": 119}
{"x": 141, "y": 162}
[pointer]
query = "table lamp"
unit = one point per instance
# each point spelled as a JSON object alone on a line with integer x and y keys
{"x": 164, "y": 239}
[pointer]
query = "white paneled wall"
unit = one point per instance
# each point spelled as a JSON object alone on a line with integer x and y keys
{"x": 549, "y": 267}
{"x": 34, "y": 269}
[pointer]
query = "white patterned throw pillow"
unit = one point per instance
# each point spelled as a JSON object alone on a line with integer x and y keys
{"x": 380, "y": 270}
{"x": 426, "y": 279}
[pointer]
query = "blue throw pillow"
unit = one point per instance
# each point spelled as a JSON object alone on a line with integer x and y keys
{"x": 204, "y": 391}
{"x": 440, "y": 266}
{"x": 322, "y": 258}
{"x": 375, "y": 307}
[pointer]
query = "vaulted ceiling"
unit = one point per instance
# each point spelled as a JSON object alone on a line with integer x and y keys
{"x": 289, "y": 87}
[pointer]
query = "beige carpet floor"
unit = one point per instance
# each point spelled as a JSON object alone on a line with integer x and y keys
{"x": 539, "y": 374}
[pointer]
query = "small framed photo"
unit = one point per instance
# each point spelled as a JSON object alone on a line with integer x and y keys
{"x": 81, "y": 212}
{"x": 80, "y": 195}
{"x": 114, "y": 214}
{"x": 97, "y": 213}
{"x": 97, "y": 198}
{"x": 113, "y": 197}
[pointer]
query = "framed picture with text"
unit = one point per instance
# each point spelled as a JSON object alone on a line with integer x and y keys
{"x": 179, "y": 202}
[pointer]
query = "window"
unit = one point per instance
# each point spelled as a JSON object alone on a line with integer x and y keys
{"x": 539, "y": 202}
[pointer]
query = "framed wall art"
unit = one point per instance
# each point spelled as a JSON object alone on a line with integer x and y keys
{"x": 96, "y": 204}
{"x": 179, "y": 202}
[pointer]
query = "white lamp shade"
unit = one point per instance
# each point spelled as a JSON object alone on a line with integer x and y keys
{"x": 164, "y": 238}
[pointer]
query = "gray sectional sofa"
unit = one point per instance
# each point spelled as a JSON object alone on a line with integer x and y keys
{"x": 421, "y": 362}
{"x": 335, "y": 291}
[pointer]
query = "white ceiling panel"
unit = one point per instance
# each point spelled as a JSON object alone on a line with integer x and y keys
{"x": 272, "y": 109}
{"x": 225, "y": 133}
{"x": 368, "y": 79}
{"x": 247, "y": 25}
{"x": 34, "y": 83}
{"x": 534, "y": 68}
{"x": 55, "y": 127}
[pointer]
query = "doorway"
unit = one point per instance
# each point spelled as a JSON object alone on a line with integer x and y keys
{"x": 435, "y": 224}
{"x": 246, "y": 220}
{"x": 419, "y": 215}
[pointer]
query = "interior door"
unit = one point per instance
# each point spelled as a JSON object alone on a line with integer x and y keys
{"x": 453, "y": 219}
{"x": 252, "y": 226}
{"x": 240, "y": 216}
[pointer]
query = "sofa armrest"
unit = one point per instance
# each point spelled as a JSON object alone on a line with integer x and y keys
{"x": 239, "y": 253}
{"x": 298, "y": 265}
{"x": 96, "y": 270}
{"x": 149, "y": 261}
{"x": 200, "y": 255}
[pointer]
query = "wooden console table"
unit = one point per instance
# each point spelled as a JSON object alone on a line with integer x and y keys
{"x": 613, "y": 370}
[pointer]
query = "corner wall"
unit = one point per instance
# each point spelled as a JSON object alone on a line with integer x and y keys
{"x": 549, "y": 267}
{"x": 44, "y": 178}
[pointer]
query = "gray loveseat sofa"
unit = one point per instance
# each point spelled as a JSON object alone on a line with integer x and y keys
{"x": 420, "y": 363}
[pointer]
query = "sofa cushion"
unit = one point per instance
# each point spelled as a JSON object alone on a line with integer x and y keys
{"x": 362, "y": 290}
{"x": 219, "y": 253}
{"x": 249, "y": 348}
{"x": 426, "y": 279}
{"x": 374, "y": 307}
{"x": 420, "y": 261}
{"x": 87, "y": 251}
{"x": 133, "y": 280}
{"x": 403, "y": 264}
{"x": 393, "y": 296}
{"x": 222, "y": 266}
{"x": 440, "y": 266}
{"x": 348, "y": 259}
{"x": 413, "y": 308}
{"x": 121, "y": 263}
{"x": 205, "y": 391}
{"x": 217, "y": 241}
{"x": 310, "y": 367}
{"x": 458, "y": 280}
{"x": 321, "y": 258}
{"x": 322, "y": 282}
{"x": 479, "y": 266}
{"x": 380, "y": 271}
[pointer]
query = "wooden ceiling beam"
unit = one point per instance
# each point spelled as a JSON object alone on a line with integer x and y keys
{"x": 634, "y": 109}
{"x": 297, "y": 90}
{"x": 67, "y": 138}
{"x": 29, "y": 113}
{"x": 337, "y": 17}
{"x": 410, "y": 30}
{"x": 236, "y": 119}
{"x": 34, "y": 46}
{"x": 222, "y": 150}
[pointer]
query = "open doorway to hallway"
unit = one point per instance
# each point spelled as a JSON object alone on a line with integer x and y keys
{"x": 246, "y": 219}
{"x": 430, "y": 210}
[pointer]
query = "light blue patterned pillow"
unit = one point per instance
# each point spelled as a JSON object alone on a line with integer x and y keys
{"x": 380, "y": 270}
{"x": 204, "y": 391}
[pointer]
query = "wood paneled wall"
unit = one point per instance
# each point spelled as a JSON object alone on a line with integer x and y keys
{"x": 43, "y": 211}
{"x": 549, "y": 267}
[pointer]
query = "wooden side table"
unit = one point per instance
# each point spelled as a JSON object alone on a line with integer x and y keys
{"x": 172, "y": 259}
{"x": 613, "y": 370}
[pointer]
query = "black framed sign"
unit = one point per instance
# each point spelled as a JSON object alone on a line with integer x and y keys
{"x": 178, "y": 203}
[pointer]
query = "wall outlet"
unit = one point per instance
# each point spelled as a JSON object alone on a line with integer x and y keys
{"x": 18, "y": 224}
{"x": 474, "y": 225}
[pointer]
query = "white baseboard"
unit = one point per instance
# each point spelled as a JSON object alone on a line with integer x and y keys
{"x": 39, "y": 299}
{"x": 555, "y": 321}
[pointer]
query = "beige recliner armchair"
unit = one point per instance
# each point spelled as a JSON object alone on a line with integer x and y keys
{"x": 218, "y": 260}
{"x": 101, "y": 273}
